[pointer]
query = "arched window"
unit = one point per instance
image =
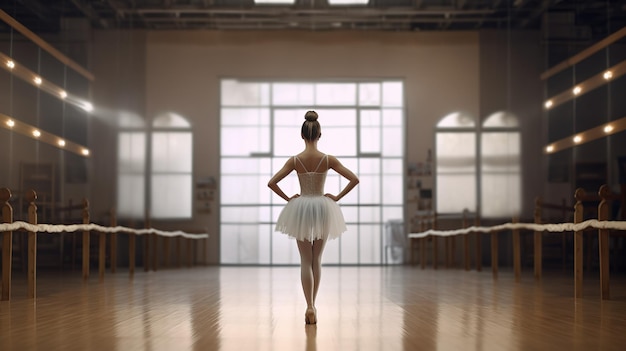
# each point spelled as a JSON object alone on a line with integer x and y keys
{"x": 171, "y": 167}
{"x": 455, "y": 150}
{"x": 500, "y": 194}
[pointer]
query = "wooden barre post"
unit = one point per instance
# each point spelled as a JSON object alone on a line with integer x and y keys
{"x": 7, "y": 244}
{"x": 178, "y": 255}
{"x": 155, "y": 248}
{"x": 466, "y": 250}
{"x": 113, "y": 243}
{"x": 517, "y": 257}
{"x": 477, "y": 235}
{"x": 205, "y": 251}
{"x": 86, "y": 240}
{"x": 603, "y": 242}
{"x": 435, "y": 244}
{"x": 537, "y": 240}
{"x": 32, "y": 245}
{"x": 166, "y": 251}
{"x": 102, "y": 250}
{"x": 132, "y": 243}
{"x": 190, "y": 252}
{"x": 578, "y": 244}
{"x": 494, "y": 254}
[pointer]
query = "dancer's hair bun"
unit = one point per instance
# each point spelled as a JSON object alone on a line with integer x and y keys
{"x": 311, "y": 116}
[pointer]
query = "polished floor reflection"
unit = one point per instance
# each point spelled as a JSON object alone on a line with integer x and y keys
{"x": 359, "y": 308}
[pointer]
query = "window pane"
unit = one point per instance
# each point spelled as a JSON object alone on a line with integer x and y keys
{"x": 257, "y": 140}
{"x": 350, "y": 213}
{"x": 456, "y": 153}
{"x": 457, "y": 120}
{"x": 392, "y": 117}
{"x": 170, "y": 120}
{"x": 171, "y": 152}
{"x": 240, "y": 243}
{"x": 246, "y": 117}
{"x": 130, "y": 196}
{"x": 369, "y": 214}
{"x": 392, "y": 141}
{"x": 392, "y": 94}
{"x": 171, "y": 196}
{"x": 350, "y": 245}
{"x": 501, "y": 180}
{"x": 392, "y": 212}
{"x": 284, "y": 250}
{"x": 369, "y": 244}
{"x": 456, "y": 192}
{"x": 331, "y": 252}
{"x": 501, "y": 119}
{"x": 235, "y": 93}
{"x": 338, "y": 141}
{"x": 501, "y": 195}
{"x": 369, "y": 189}
{"x": 370, "y": 131}
{"x": 500, "y": 151}
{"x": 131, "y": 152}
{"x": 369, "y": 166}
{"x": 335, "y": 94}
{"x": 369, "y": 94}
{"x": 246, "y": 189}
{"x": 245, "y": 214}
{"x": 292, "y": 94}
{"x": 392, "y": 166}
{"x": 393, "y": 189}
{"x": 256, "y": 166}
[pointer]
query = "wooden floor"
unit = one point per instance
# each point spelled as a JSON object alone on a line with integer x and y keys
{"x": 262, "y": 308}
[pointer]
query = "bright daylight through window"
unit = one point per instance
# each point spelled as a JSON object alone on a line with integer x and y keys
{"x": 362, "y": 123}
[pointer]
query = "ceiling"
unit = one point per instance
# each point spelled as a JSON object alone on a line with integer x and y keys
{"x": 580, "y": 20}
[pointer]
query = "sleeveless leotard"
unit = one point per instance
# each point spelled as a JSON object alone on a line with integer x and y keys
{"x": 311, "y": 216}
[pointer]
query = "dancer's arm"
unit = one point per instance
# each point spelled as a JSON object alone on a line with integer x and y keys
{"x": 273, "y": 183}
{"x": 334, "y": 163}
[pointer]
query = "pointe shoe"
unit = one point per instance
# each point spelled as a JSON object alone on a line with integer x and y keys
{"x": 310, "y": 316}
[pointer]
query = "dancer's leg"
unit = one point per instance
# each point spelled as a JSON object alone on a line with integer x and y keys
{"x": 306, "y": 270}
{"x": 316, "y": 265}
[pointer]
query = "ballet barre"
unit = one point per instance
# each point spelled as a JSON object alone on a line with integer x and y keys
{"x": 8, "y": 226}
{"x": 602, "y": 224}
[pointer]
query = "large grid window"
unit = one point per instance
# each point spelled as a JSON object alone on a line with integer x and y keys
{"x": 362, "y": 124}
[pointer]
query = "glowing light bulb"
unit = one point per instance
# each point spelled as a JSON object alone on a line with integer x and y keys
{"x": 578, "y": 139}
{"x": 85, "y": 152}
{"x": 37, "y": 80}
{"x": 608, "y": 128}
{"x": 36, "y": 133}
{"x": 548, "y": 104}
{"x": 10, "y": 123}
{"x": 607, "y": 75}
{"x": 61, "y": 142}
{"x": 577, "y": 90}
{"x": 10, "y": 64}
{"x": 549, "y": 148}
{"x": 62, "y": 94}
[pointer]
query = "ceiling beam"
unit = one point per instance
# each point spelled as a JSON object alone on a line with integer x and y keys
{"x": 90, "y": 13}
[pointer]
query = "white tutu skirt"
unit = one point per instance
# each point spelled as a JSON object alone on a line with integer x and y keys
{"x": 309, "y": 218}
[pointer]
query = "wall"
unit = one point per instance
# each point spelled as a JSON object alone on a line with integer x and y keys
{"x": 440, "y": 71}
{"x": 141, "y": 74}
{"x": 510, "y": 65}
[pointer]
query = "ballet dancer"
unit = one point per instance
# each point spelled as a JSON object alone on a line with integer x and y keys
{"x": 311, "y": 217}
